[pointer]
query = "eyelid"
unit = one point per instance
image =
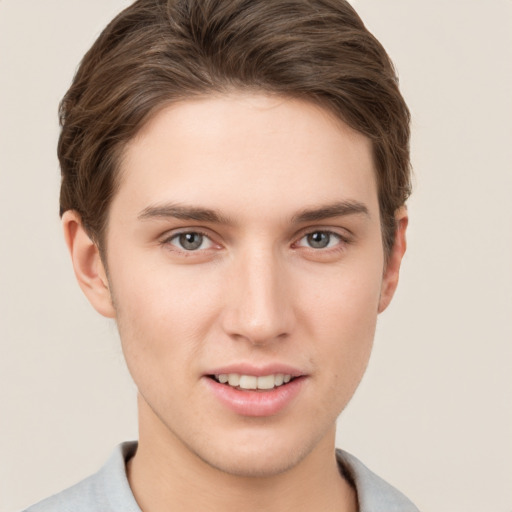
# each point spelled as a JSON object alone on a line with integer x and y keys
{"x": 167, "y": 238}
{"x": 330, "y": 233}
{"x": 344, "y": 235}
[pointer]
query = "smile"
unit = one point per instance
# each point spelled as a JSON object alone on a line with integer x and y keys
{"x": 251, "y": 382}
{"x": 266, "y": 394}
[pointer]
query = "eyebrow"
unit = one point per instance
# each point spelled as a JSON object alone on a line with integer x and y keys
{"x": 194, "y": 213}
{"x": 338, "y": 209}
{"x": 178, "y": 211}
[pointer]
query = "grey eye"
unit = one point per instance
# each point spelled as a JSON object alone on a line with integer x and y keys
{"x": 190, "y": 241}
{"x": 319, "y": 239}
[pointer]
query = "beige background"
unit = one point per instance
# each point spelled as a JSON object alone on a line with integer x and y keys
{"x": 433, "y": 415}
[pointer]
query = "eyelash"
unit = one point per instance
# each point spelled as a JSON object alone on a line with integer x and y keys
{"x": 168, "y": 240}
{"x": 342, "y": 241}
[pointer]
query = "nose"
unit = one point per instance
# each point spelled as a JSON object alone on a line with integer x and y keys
{"x": 258, "y": 304}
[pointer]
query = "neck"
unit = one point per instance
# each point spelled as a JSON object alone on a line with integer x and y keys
{"x": 165, "y": 475}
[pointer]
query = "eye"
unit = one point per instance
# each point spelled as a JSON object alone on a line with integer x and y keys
{"x": 320, "y": 240}
{"x": 190, "y": 241}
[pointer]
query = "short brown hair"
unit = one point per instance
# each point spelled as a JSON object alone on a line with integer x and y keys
{"x": 157, "y": 52}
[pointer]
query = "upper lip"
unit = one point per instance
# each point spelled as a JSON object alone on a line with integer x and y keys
{"x": 256, "y": 370}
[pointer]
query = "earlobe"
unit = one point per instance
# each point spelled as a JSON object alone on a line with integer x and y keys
{"x": 392, "y": 270}
{"x": 87, "y": 264}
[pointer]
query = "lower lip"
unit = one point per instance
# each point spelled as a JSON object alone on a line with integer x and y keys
{"x": 256, "y": 403}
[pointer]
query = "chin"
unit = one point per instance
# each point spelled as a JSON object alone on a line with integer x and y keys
{"x": 255, "y": 465}
{"x": 261, "y": 455}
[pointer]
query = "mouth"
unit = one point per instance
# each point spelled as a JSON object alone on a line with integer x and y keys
{"x": 262, "y": 395}
{"x": 253, "y": 382}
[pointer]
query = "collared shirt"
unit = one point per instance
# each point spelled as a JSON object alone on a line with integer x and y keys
{"x": 108, "y": 489}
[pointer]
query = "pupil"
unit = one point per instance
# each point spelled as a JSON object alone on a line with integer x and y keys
{"x": 318, "y": 240}
{"x": 191, "y": 241}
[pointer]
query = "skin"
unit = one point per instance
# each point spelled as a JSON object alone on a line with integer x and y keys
{"x": 278, "y": 173}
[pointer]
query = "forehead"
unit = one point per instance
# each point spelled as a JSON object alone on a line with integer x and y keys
{"x": 229, "y": 151}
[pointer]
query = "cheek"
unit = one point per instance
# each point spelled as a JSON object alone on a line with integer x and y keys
{"x": 161, "y": 312}
{"x": 342, "y": 320}
{"x": 345, "y": 300}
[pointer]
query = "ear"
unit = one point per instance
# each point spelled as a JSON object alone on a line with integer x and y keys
{"x": 392, "y": 270}
{"x": 89, "y": 269}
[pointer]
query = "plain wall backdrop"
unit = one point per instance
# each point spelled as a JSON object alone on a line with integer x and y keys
{"x": 432, "y": 415}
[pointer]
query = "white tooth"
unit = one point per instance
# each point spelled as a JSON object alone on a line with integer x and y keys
{"x": 266, "y": 382}
{"x": 223, "y": 378}
{"x": 287, "y": 379}
{"x": 234, "y": 379}
{"x": 247, "y": 382}
{"x": 278, "y": 379}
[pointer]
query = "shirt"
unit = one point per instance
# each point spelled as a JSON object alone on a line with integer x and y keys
{"x": 108, "y": 490}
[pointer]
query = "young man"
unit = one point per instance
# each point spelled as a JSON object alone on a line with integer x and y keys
{"x": 234, "y": 175}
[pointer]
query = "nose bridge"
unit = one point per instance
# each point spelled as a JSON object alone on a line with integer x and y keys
{"x": 260, "y": 306}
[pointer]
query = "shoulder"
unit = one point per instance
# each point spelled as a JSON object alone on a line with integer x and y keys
{"x": 373, "y": 493}
{"x": 105, "y": 491}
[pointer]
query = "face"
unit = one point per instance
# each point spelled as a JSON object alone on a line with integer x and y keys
{"x": 246, "y": 271}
